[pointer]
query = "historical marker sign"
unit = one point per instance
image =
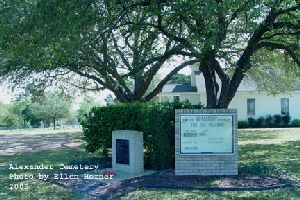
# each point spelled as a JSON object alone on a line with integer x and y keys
{"x": 206, "y": 134}
{"x": 122, "y": 151}
{"x": 206, "y": 142}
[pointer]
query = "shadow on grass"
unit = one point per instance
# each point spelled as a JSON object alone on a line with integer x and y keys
{"x": 284, "y": 156}
{"x": 12, "y": 144}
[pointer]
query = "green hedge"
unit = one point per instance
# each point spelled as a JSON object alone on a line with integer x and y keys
{"x": 295, "y": 123}
{"x": 275, "y": 121}
{"x": 155, "y": 120}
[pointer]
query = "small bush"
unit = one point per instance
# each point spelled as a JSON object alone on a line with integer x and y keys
{"x": 295, "y": 123}
{"x": 251, "y": 122}
{"x": 155, "y": 120}
{"x": 259, "y": 122}
{"x": 243, "y": 124}
{"x": 277, "y": 120}
{"x": 286, "y": 120}
{"x": 269, "y": 121}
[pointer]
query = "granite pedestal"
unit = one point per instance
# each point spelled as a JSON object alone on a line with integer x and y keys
{"x": 128, "y": 151}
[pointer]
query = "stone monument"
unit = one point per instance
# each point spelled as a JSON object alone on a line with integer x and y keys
{"x": 128, "y": 151}
{"x": 206, "y": 142}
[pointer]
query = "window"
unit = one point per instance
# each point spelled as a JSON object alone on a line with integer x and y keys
{"x": 176, "y": 98}
{"x": 284, "y": 106}
{"x": 251, "y": 106}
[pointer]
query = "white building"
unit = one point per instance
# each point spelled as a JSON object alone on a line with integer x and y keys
{"x": 248, "y": 100}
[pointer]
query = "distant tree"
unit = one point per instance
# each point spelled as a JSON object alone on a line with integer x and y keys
{"x": 72, "y": 119}
{"x": 3, "y": 112}
{"x": 17, "y": 108}
{"x": 51, "y": 108}
{"x": 180, "y": 79}
{"x": 11, "y": 120}
{"x": 85, "y": 106}
{"x": 11, "y": 114}
{"x": 34, "y": 121}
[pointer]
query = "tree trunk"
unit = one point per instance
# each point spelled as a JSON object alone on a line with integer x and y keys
{"x": 54, "y": 125}
{"x": 210, "y": 68}
{"x": 211, "y": 86}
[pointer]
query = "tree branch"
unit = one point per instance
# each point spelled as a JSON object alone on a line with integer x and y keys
{"x": 236, "y": 12}
{"x": 121, "y": 54}
{"x": 273, "y": 46}
{"x": 95, "y": 78}
{"x": 85, "y": 88}
{"x": 167, "y": 78}
{"x": 243, "y": 64}
{"x": 288, "y": 25}
{"x": 162, "y": 58}
{"x": 268, "y": 37}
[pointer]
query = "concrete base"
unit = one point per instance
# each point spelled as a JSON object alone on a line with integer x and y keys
{"x": 136, "y": 151}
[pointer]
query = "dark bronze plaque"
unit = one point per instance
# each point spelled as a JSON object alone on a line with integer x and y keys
{"x": 122, "y": 151}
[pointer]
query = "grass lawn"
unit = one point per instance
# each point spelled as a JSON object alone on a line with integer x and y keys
{"x": 274, "y": 148}
{"x": 271, "y": 148}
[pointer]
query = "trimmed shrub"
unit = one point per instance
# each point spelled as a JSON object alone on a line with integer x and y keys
{"x": 243, "y": 124}
{"x": 251, "y": 122}
{"x": 295, "y": 123}
{"x": 155, "y": 120}
{"x": 277, "y": 120}
{"x": 286, "y": 120}
{"x": 269, "y": 121}
{"x": 259, "y": 122}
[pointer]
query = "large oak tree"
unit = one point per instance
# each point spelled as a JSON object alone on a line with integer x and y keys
{"x": 233, "y": 39}
{"x": 103, "y": 42}
{"x": 117, "y": 43}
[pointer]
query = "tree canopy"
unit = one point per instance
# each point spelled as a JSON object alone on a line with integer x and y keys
{"x": 85, "y": 107}
{"x": 112, "y": 44}
{"x": 96, "y": 40}
{"x": 11, "y": 115}
{"x": 229, "y": 38}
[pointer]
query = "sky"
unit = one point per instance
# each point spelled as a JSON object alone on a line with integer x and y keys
{"x": 6, "y": 95}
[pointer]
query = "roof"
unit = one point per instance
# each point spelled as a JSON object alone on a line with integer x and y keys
{"x": 179, "y": 88}
{"x": 247, "y": 85}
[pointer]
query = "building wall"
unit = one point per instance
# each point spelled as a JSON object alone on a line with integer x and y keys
{"x": 192, "y": 97}
{"x": 194, "y": 68}
{"x": 264, "y": 104}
